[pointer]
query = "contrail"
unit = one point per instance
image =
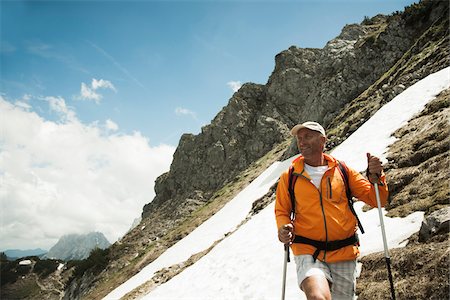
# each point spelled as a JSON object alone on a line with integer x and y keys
{"x": 119, "y": 66}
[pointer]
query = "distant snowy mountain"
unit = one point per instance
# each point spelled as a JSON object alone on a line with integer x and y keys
{"x": 77, "y": 246}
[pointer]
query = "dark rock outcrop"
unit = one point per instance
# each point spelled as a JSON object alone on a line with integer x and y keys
{"x": 306, "y": 84}
{"x": 435, "y": 223}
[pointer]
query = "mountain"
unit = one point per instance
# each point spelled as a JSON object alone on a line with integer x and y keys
{"x": 77, "y": 246}
{"x": 342, "y": 86}
{"x": 232, "y": 267}
{"x": 224, "y": 178}
{"x": 17, "y": 253}
{"x": 373, "y": 54}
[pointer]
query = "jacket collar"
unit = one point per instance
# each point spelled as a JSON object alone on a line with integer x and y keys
{"x": 299, "y": 163}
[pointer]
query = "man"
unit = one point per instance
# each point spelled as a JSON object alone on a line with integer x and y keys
{"x": 323, "y": 215}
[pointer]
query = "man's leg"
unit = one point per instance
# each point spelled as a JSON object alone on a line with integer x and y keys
{"x": 344, "y": 280}
{"x": 314, "y": 277}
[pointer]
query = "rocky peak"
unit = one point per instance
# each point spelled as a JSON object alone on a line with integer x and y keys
{"x": 306, "y": 84}
{"x": 206, "y": 161}
{"x": 77, "y": 246}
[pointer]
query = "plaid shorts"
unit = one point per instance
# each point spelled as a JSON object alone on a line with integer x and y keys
{"x": 341, "y": 275}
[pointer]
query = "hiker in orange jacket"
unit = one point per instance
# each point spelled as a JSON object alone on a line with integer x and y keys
{"x": 322, "y": 231}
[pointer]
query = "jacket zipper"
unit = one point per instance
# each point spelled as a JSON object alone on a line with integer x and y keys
{"x": 329, "y": 188}
{"x": 325, "y": 224}
{"x": 323, "y": 212}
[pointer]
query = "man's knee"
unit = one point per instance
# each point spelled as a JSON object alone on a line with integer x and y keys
{"x": 316, "y": 288}
{"x": 318, "y": 296}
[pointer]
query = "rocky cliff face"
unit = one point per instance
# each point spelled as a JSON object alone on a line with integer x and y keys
{"x": 242, "y": 132}
{"x": 306, "y": 84}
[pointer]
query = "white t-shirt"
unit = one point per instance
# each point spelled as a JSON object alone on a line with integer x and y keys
{"x": 316, "y": 174}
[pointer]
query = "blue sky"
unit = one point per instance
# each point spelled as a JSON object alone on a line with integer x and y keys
{"x": 94, "y": 96}
{"x": 167, "y": 66}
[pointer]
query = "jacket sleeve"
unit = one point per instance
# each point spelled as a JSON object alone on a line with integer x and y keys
{"x": 365, "y": 191}
{"x": 283, "y": 203}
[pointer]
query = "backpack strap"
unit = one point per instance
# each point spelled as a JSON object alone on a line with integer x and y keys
{"x": 291, "y": 182}
{"x": 344, "y": 173}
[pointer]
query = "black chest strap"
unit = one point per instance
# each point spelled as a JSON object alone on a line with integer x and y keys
{"x": 327, "y": 246}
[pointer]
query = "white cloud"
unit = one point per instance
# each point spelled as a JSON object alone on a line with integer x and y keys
{"x": 26, "y": 97}
{"x": 89, "y": 92}
{"x": 102, "y": 84}
{"x": 179, "y": 111}
{"x": 234, "y": 85}
{"x": 68, "y": 177}
{"x": 58, "y": 105}
{"x": 23, "y": 103}
{"x": 111, "y": 125}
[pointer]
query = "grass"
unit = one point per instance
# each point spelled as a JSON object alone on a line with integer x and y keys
{"x": 26, "y": 288}
{"x": 372, "y": 38}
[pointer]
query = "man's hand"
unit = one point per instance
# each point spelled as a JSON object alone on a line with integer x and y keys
{"x": 374, "y": 168}
{"x": 286, "y": 233}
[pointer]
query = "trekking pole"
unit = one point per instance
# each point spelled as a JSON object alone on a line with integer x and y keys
{"x": 386, "y": 250}
{"x": 286, "y": 255}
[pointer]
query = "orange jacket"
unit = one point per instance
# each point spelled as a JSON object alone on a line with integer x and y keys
{"x": 323, "y": 214}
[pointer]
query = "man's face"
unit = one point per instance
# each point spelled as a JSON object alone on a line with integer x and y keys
{"x": 310, "y": 142}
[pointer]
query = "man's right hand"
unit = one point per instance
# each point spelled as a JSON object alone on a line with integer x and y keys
{"x": 286, "y": 233}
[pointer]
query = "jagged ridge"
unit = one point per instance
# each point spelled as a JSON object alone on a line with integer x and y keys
{"x": 367, "y": 62}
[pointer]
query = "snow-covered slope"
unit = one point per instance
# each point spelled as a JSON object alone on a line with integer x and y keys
{"x": 248, "y": 263}
{"x": 223, "y": 222}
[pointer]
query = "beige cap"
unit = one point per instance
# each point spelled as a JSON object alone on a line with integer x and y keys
{"x": 310, "y": 125}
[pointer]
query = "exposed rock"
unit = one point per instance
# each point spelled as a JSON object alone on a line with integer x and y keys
{"x": 240, "y": 134}
{"x": 428, "y": 54}
{"x": 435, "y": 223}
{"x": 78, "y": 289}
